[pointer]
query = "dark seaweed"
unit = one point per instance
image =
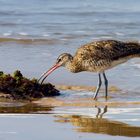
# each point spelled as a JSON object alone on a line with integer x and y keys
{"x": 20, "y": 87}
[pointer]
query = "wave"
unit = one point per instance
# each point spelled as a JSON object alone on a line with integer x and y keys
{"x": 137, "y": 65}
{"x": 29, "y": 40}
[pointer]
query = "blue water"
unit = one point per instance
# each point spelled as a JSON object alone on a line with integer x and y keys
{"x": 93, "y": 18}
{"x": 34, "y": 32}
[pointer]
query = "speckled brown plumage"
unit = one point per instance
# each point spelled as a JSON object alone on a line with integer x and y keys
{"x": 99, "y": 56}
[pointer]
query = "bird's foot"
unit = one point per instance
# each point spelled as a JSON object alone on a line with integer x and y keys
{"x": 95, "y": 98}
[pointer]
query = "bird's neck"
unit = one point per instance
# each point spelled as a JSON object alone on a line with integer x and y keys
{"x": 72, "y": 66}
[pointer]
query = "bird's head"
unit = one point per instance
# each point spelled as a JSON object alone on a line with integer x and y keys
{"x": 62, "y": 60}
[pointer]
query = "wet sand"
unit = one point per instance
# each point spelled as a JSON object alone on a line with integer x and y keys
{"x": 74, "y": 115}
{"x": 82, "y": 96}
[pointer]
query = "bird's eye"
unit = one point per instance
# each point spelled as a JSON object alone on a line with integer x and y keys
{"x": 59, "y": 59}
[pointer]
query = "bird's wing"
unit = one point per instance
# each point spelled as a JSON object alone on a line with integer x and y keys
{"x": 107, "y": 50}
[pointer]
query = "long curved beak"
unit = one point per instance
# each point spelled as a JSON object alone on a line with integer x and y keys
{"x": 47, "y": 73}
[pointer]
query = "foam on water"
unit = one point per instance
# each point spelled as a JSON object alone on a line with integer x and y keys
{"x": 137, "y": 65}
{"x": 23, "y": 33}
{"x": 45, "y": 35}
{"x": 7, "y": 34}
{"x": 119, "y": 33}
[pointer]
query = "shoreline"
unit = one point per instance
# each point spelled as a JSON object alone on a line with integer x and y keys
{"x": 84, "y": 88}
{"x": 84, "y": 102}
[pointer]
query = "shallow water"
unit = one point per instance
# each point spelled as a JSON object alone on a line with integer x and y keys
{"x": 33, "y": 33}
{"x": 74, "y": 123}
{"x": 54, "y": 128}
{"x": 72, "y": 116}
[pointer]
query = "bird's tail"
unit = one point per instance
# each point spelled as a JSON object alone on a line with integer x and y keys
{"x": 134, "y": 48}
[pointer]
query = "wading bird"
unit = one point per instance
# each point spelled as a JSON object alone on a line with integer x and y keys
{"x": 97, "y": 56}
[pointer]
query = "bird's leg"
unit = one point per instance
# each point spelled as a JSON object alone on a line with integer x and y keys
{"x": 106, "y": 85}
{"x": 98, "y": 86}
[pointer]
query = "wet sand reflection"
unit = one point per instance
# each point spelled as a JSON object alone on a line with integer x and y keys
{"x": 99, "y": 124}
{"x": 27, "y": 108}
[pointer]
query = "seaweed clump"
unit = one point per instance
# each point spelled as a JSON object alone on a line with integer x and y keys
{"x": 20, "y": 87}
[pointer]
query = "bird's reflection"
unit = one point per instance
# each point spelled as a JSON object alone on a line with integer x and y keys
{"x": 100, "y": 124}
{"x": 100, "y": 113}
